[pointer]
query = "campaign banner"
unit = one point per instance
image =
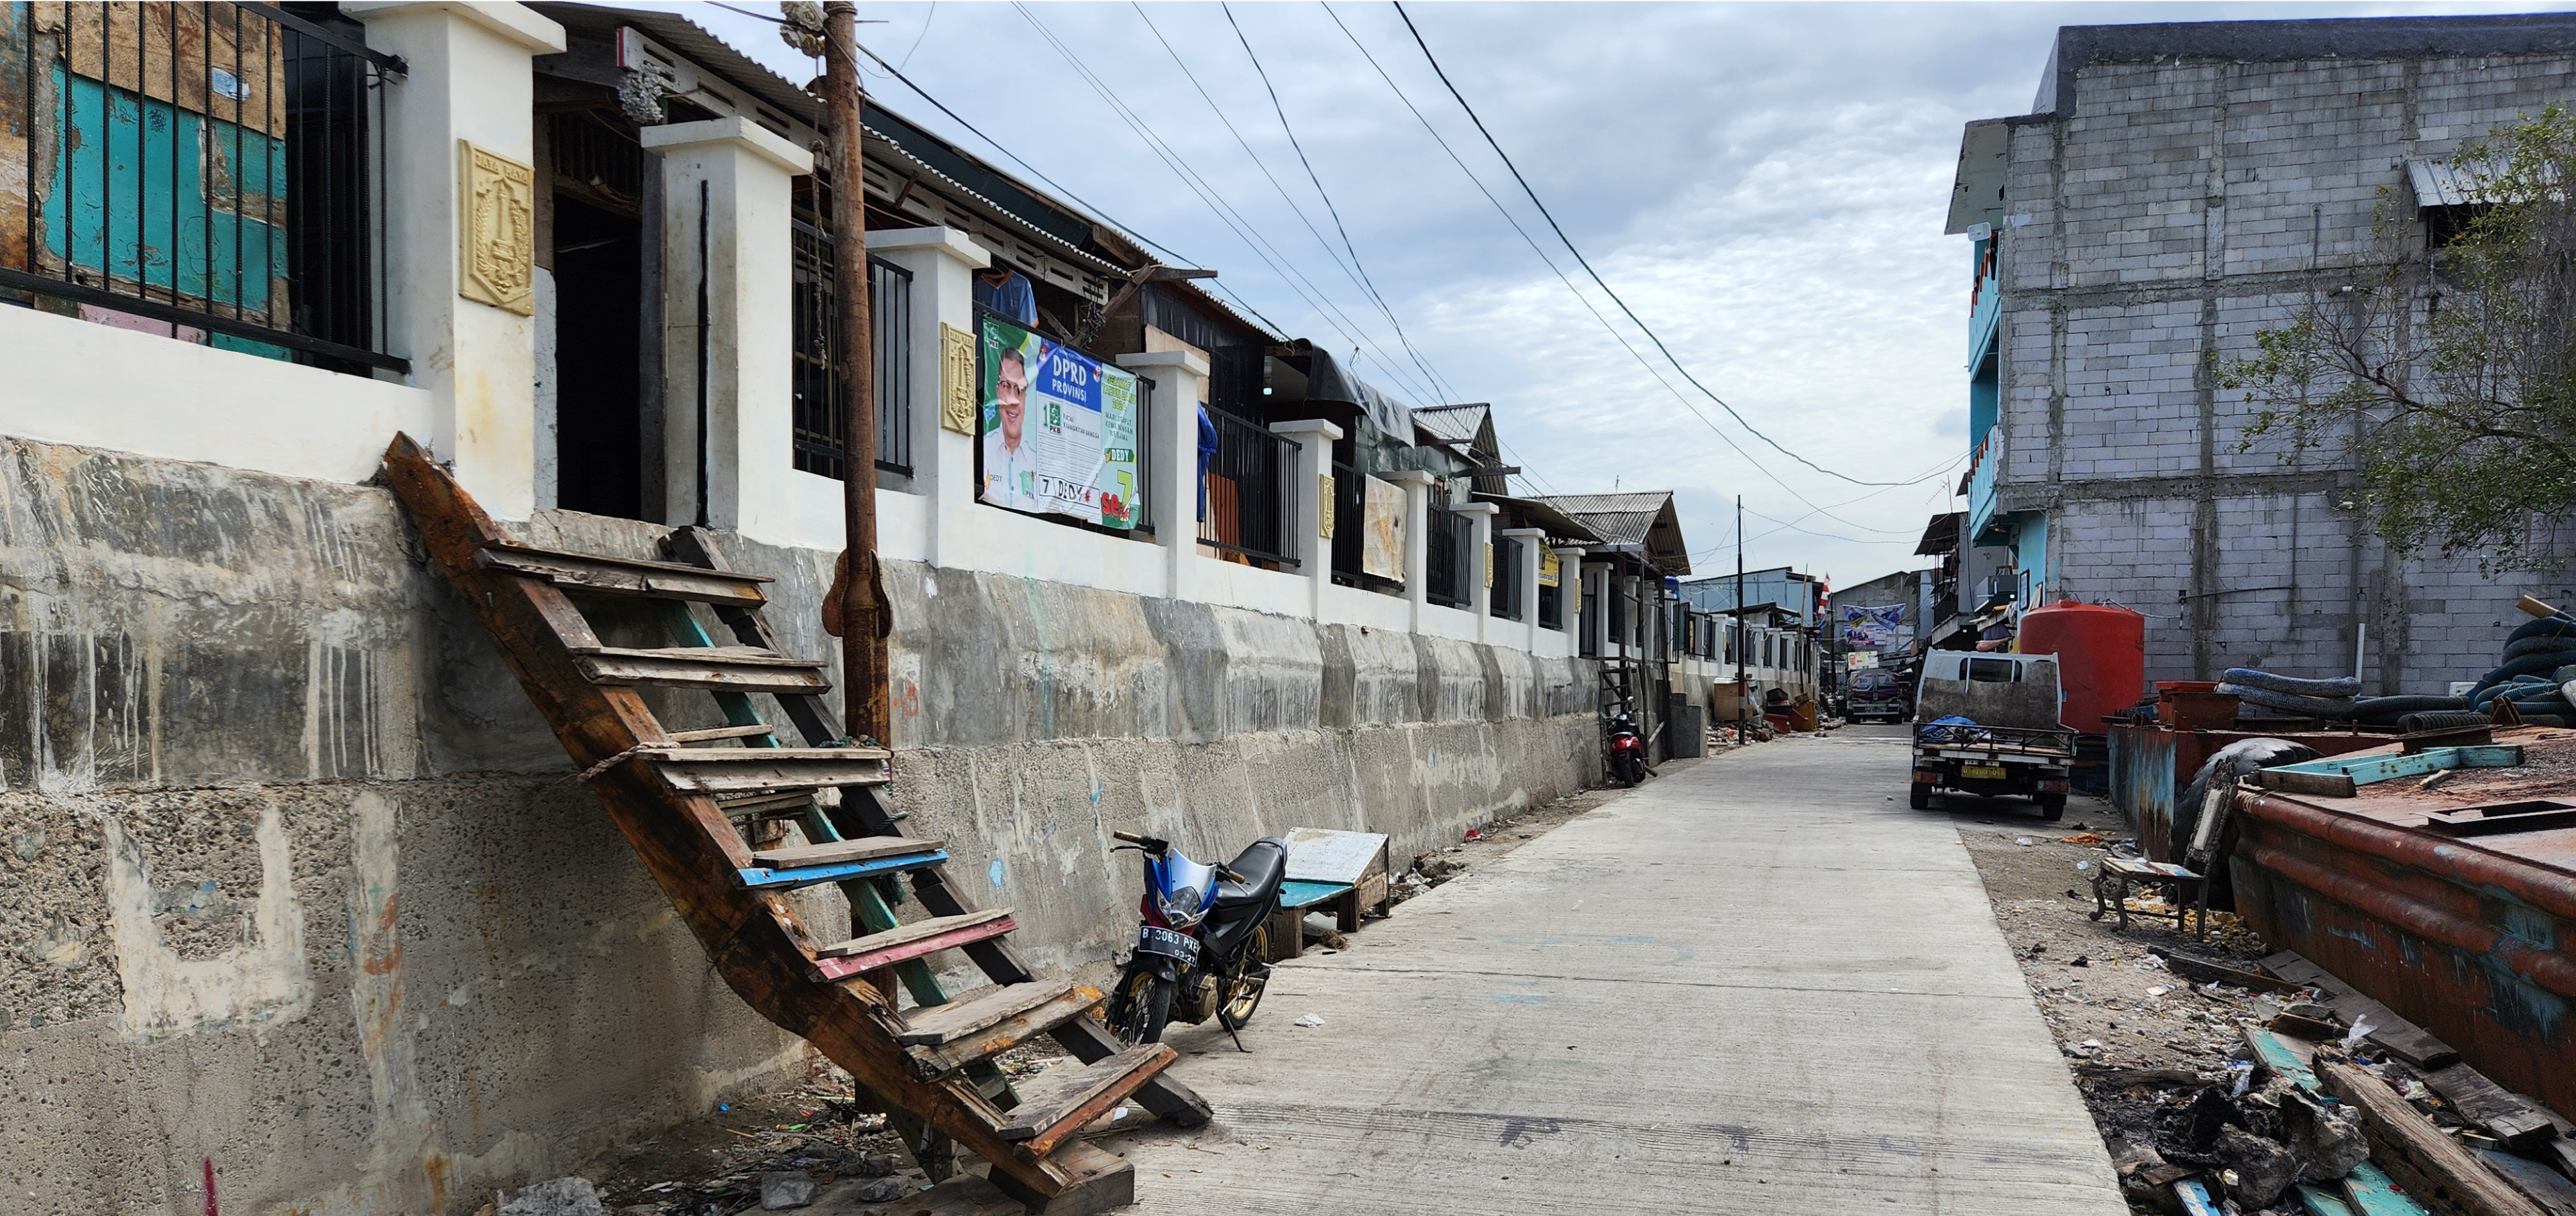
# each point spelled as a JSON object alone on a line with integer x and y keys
{"x": 1058, "y": 429}
{"x": 1549, "y": 567}
{"x": 1872, "y": 628}
{"x": 1382, "y": 543}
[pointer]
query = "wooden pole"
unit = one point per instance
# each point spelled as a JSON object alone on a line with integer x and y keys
{"x": 863, "y": 644}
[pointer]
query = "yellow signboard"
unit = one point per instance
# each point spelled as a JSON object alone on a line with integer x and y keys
{"x": 1547, "y": 566}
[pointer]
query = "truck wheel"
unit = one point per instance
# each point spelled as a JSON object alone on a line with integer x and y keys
{"x": 1920, "y": 797}
{"x": 2052, "y": 807}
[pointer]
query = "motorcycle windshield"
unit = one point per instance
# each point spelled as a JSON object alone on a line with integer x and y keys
{"x": 1187, "y": 889}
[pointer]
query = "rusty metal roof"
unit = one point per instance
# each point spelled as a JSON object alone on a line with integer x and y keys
{"x": 1643, "y": 523}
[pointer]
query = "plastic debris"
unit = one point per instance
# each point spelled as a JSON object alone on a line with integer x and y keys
{"x": 2361, "y": 1029}
{"x": 784, "y": 1190}
{"x": 1310, "y": 1021}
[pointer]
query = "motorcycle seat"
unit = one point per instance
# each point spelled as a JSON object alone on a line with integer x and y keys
{"x": 1263, "y": 866}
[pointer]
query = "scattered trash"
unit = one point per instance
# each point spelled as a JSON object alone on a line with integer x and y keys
{"x": 2024, "y": 842}
{"x": 2083, "y": 866}
{"x": 1310, "y": 1021}
{"x": 781, "y": 1191}
{"x": 2079, "y": 961}
{"x": 1473, "y": 834}
{"x": 2244, "y": 1070}
{"x": 2360, "y": 1030}
{"x": 2084, "y": 838}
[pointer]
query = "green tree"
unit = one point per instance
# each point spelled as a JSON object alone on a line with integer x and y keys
{"x": 2445, "y": 361}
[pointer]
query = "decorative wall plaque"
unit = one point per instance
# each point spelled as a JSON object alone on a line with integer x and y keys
{"x": 1324, "y": 505}
{"x": 496, "y": 230}
{"x": 957, "y": 380}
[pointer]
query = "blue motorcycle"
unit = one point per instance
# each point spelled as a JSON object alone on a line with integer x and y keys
{"x": 1204, "y": 947}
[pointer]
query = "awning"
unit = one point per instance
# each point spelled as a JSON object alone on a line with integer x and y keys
{"x": 1940, "y": 536}
{"x": 1328, "y": 380}
{"x": 1557, "y": 524}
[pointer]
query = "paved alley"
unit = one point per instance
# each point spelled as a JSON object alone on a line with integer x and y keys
{"x": 1759, "y": 984}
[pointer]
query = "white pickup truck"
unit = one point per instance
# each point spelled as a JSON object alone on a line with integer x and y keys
{"x": 2010, "y": 742}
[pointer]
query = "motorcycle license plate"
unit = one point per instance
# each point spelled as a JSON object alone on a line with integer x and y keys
{"x": 1168, "y": 943}
{"x": 1983, "y": 772}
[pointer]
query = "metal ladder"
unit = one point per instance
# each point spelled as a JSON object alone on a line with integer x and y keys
{"x": 686, "y": 800}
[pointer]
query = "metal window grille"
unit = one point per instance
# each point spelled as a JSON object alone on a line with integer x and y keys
{"x": 1505, "y": 601}
{"x": 1251, "y": 492}
{"x": 206, "y": 171}
{"x": 1590, "y": 639}
{"x": 1551, "y": 607}
{"x": 817, "y": 353}
{"x": 1452, "y": 536}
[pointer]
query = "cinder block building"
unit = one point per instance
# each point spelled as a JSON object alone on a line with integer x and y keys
{"x": 2170, "y": 195}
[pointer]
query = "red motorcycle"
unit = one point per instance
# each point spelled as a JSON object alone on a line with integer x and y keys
{"x": 1627, "y": 751}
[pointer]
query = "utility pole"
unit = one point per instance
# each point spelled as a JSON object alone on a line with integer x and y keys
{"x": 1743, "y": 636}
{"x": 863, "y": 637}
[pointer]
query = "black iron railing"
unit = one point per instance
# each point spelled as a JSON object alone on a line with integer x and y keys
{"x": 817, "y": 353}
{"x": 1588, "y": 643}
{"x": 1551, "y": 607}
{"x": 1350, "y": 525}
{"x": 206, "y": 171}
{"x": 1251, "y": 492}
{"x": 1451, "y": 538}
{"x": 1504, "y": 598}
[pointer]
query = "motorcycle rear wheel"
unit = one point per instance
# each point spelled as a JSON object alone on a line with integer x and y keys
{"x": 1243, "y": 989}
{"x": 1141, "y": 1008}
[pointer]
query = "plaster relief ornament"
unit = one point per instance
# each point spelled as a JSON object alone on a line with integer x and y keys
{"x": 956, "y": 380}
{"x": 497, "y": 232}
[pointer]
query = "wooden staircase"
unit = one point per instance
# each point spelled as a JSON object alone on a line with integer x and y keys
{"x": 686, "y": 799}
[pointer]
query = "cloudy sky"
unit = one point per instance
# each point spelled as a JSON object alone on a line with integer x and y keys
{"x": 1764, "y": 185}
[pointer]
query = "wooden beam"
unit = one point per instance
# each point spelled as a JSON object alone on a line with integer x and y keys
{"x": 2432, "y": 1167}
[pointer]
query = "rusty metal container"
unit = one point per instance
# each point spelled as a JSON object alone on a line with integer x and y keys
{"x": 2472, "y": 937}
{"x": 2151, "y": 763}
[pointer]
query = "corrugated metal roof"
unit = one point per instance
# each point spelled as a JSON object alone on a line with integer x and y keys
{"x": 1558, "y": 524}
{"x": 1940, "y": 536}
{"x": 1452, "y": 423}
{"x": 2439, "y": 183}
{"x": 1629, "y": 522}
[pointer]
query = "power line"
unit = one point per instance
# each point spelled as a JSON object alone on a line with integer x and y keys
{"x": 1226, "y": 213}
{"x": 1550, "y": 263}
{"x": 1293, "y": 207}
{"x": 1586, "y": 263}
{"x": 1367, "y": 284}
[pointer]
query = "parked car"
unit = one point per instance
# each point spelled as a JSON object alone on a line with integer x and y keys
{"x": 1875, "y": 695}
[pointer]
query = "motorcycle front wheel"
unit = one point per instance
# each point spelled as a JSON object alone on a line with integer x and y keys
{"x": 1251, "y": 978}
{"x": 1141, "y": 1006}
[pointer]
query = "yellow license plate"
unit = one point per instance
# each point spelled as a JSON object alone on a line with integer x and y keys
{"x": 1983, "y": 772}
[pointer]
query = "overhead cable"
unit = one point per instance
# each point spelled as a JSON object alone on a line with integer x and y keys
{"x": 1604, "y": 284}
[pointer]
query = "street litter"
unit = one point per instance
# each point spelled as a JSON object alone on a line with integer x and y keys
{"x": 1309, "y": 1021}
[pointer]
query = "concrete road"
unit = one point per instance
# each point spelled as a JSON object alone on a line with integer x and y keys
{"x": 1757, "y": 985}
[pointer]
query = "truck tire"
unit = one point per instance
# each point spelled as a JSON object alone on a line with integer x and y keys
{"x": 1919, "y": 797}
{"x": 2052, "y": 807}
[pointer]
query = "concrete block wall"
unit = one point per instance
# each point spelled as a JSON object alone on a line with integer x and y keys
{"x": 297, "y": 880}
{"x": 2149, "y": 234}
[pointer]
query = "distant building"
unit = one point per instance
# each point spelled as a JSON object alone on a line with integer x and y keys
{"x": 2168, "y": 197}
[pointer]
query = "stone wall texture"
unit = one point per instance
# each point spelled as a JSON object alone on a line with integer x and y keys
{"x": 2149, "y": 233}
{"x": 293, "y": 878}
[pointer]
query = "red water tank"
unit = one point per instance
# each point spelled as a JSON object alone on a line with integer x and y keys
{"x": 2101, "y": 658}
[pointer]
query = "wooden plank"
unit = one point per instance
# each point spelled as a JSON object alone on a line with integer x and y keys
{"x": 740, "y": 668}
{"x": 2323, "y": 785}
{"x": 2278, "y": 1056}
{"x": 939, "y": 1024}
{"x": 938, "y": 1060}
{"x": 2371, "y": 1193}
{"x": 2367, "y": 770}
{"x": 839, "y": 871}
{"x": 2207, "y": 972}
{"x": 753, "y": 731}
{"x": 763, "y": 755}
{"x": 875, "y": 958}
{"x": 2538, "y": 1183}
{"x": 592, "y": 574}
{"x": 902, "y": 935}
{"x": 863, "y": 849}
{"x": 769, "y": 775}
{"x": 2391, "y": 1033}
{"x": 2474, "y": 821}
{"x": 1059, "y": 1101}
{"x": 2430, "y": 1165}
{"x": 1295, "y": 893}
{"x": 2517, "y": 1121}
{"x": 2426, "y": 740}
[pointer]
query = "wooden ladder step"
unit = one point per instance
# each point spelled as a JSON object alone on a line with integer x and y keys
{"x": 987, "y": 1007}
{"x": 805, "y": 866}
{"x": 732, "y": 668}
{"x": 1056, "y": 1103}
{"x": 861, "y": 954}
{"x": 744, "y": 770}
{"x": 930, "y": 1062}
{"x": 718, "y": 733}
{"x": 592, "y": 574}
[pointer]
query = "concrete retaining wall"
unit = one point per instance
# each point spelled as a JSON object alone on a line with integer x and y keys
{"x": 296, "y": 880}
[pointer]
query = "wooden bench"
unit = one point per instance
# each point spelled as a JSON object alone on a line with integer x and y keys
{"x": 2116, "y": 876}
{"x": 1343, "y": 871}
